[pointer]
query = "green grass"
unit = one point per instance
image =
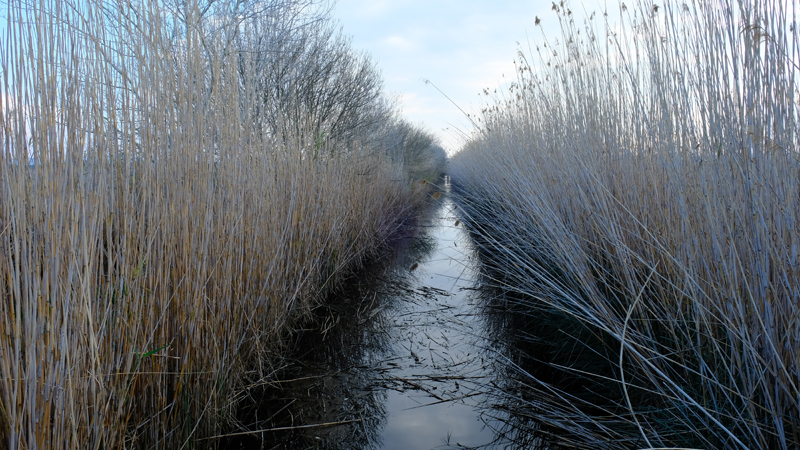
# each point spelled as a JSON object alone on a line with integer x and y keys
{"x": 643, "y": 179}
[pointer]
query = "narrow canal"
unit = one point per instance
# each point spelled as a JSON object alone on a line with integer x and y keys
{"x": 405, "y": 360}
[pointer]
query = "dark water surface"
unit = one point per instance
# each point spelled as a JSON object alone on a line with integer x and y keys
{"x": 407, "y": 359}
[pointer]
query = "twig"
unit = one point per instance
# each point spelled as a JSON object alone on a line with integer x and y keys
{"x": 297, "y": 427}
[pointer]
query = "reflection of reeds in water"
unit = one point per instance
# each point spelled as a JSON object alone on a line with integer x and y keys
{"x": 648, "y": 189}
{"x": 554, "y": 370}
{"x": 328, "y": 380}
{"x": 162, "y": 239}
{"x": 423, "y": 244}
{"x": 335, "y": 376}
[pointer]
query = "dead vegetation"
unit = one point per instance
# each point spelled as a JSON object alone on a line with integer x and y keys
{"x": 642, "y": 178}
{"x": 160, "y": 228}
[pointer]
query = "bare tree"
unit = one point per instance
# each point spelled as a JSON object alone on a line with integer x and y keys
{"x": 306, "y": 71}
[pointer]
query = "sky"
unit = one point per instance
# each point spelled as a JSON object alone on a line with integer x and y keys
{"x": 461, "y": 46}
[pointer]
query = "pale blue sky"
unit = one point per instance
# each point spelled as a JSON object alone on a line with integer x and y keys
{"x": 462, "y": 46}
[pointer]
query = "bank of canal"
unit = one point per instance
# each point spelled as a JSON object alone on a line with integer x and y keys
{"x": 404, "y": 362}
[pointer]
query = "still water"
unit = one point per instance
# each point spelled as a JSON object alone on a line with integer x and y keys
{"x": 407, "y": 359}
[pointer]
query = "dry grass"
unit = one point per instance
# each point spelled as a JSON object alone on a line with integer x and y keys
{"x": 645, "y": 180}
{"x": 161, "y": 241}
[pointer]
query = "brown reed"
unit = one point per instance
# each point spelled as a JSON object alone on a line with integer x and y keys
{"x": 157, "y": 237}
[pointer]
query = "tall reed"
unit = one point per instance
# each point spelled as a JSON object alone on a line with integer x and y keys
{"x": 156, "y": 238}
{"x": 644, "y": 179}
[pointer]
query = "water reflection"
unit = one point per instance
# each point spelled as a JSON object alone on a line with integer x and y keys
{"x": 554, "y": 383}
{"x": 332, "y": 378}
{"x": 408, "y": 360}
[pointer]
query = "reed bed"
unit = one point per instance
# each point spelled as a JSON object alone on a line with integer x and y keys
{"x": 643, "y": 178}
{"x": 158, "y": 235}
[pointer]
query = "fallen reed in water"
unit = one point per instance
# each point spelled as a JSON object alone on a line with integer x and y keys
{"x": 644, "y": 179}
{"x": 158, "y": 235}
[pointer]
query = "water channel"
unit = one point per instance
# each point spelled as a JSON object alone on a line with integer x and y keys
{"x": 406, "y": 360}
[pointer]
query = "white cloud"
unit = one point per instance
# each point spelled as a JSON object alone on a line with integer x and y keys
{"x": 462, "y": 46}
{"x": 399, "y": 42}
{"x": 490, "y": 74}
{"x": 361, "y": 10}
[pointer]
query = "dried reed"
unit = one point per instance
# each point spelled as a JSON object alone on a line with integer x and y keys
{"x": 644, "y": 179}
{"x": 157, "y": 236}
